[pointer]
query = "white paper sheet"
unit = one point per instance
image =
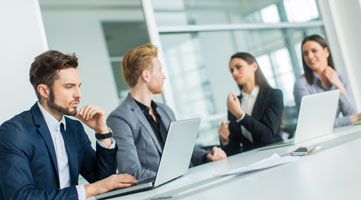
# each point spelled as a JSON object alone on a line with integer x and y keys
{"x": 272, "y": 161}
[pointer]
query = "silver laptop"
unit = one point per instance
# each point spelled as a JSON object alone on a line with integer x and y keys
{"x": 175, "y": 159}
{"x": 316, "y": 117}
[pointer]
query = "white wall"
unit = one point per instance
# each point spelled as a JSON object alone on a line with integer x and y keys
{"x": 343, "y": 26}
{"x": 21, "y": 39}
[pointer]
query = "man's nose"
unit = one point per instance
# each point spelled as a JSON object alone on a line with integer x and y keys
{"x": 77, "y": 93}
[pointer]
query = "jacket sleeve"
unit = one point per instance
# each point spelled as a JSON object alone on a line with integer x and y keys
{"x": 198, "y": 156}
{"x": 95, "y": 165}
{"x": 346, "y": 105}
{"x": 234, "y": 142}
{"x": 16, "y": 180}
{"x": 268, "y": 127}
{"x": 127, "y": 156}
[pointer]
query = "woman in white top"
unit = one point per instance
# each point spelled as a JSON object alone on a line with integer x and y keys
{"x": 254, "y": 117}
{"x": 320, "y": 76}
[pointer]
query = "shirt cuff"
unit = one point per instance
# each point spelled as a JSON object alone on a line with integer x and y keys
{"x": 241, "y": 118}
{"x": 112, "y": 146}
{"x": 81, "y": 192}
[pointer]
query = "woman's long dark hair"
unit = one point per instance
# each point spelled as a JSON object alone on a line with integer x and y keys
{"x": 321, "y": 41}
{"x": 259, "y": 77}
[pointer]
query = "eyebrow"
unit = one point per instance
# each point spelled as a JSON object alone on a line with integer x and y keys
{"x": 309, "y": 50}
{"x": 71, "y": 84}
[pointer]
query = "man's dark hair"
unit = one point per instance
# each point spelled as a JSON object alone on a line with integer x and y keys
{"x": 45, "y": 67}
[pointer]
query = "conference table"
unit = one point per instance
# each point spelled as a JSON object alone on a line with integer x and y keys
{"x": 333, "y": 171}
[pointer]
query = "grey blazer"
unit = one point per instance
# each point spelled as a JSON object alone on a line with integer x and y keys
{"x": 138, "y": 148}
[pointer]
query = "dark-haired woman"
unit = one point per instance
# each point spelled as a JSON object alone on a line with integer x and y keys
{"x": 320, "y": 76}
{"x": 255, "y": 115}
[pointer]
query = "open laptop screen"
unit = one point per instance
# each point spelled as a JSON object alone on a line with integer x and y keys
{"x": 317, "y": 115}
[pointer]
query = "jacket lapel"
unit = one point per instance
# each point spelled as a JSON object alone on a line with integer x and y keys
{"x": 44, "y": 132}
{"x": 72, "y": 153}
{"x": 141, "y": 118}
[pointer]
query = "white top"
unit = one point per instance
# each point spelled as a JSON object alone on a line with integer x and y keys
{"x": 60, "y": 151}
{"x": 247, "y": 104}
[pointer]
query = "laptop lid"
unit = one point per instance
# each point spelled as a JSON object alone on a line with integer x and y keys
{"x": 175, "y": 159}
{"x": 317, "y": 115}
{"x": 177, "y": 150}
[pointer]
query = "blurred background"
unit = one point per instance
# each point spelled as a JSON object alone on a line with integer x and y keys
{"x": 195, "y": 39}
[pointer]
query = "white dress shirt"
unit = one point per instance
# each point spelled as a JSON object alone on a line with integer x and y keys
{"x": 60, "y": 151}
{"x": 247, "y": 104}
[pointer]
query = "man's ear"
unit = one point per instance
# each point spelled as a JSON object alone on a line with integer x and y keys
{"x": 44, "y": 91}
{"x": 145, "y": 75}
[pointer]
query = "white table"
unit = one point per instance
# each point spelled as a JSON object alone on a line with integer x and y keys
{"x": 333, "y": 172}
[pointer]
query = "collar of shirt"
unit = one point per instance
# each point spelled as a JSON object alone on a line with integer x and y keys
{"x": 318, "y": 82}
{"x": 316, "y": 79}
{"x": 51, "y": 121}
{"x": 253, "y": 94}
{"x": 145, "y": 108}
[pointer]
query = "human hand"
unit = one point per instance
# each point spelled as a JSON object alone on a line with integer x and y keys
{"x": 224, "y": 131}
{"x": 112, "y": 182}
{"x": 94, "y": 117}
{"x": 216, "y": 154}
{"x": 355, "y": 117}
{"x": 234, "y": 105}
{"x": 332, "y": 76}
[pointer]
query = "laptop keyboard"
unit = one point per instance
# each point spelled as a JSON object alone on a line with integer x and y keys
{"x": 146, "y": 180}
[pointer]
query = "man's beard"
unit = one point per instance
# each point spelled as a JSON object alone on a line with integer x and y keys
{"x": 64, "y": 111}
{"x": 156, "y": 90}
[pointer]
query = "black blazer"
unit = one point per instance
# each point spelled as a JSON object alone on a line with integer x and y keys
{"x": 264, "y": 124}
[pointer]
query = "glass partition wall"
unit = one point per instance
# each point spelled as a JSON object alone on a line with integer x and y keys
{"x": 117, "y": 34}
{"x": 197, "y": 38}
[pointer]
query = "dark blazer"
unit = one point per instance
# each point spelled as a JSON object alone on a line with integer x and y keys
{"x": 28, "y": 164}
{"x": 137, "y": 142}
{"x": 264, "y": 124}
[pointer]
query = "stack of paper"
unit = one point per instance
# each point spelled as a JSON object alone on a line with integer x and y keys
{"x": 269, "y": 162}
